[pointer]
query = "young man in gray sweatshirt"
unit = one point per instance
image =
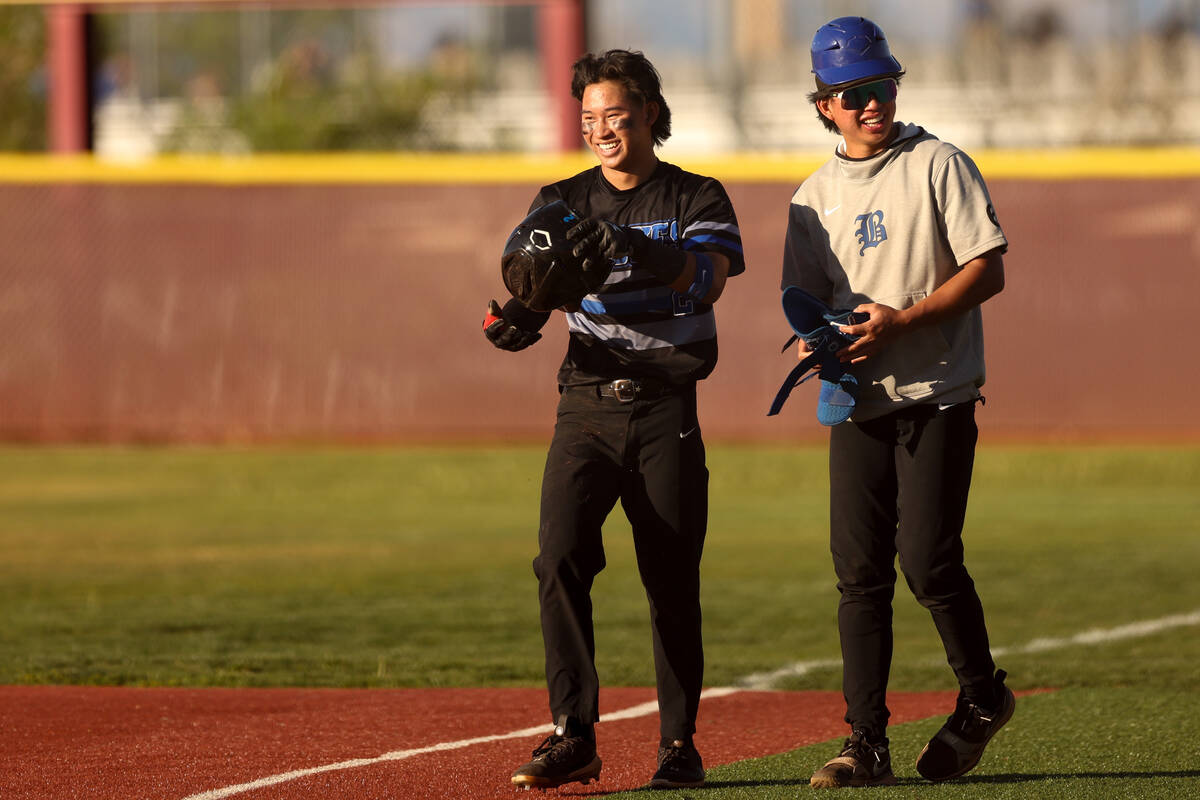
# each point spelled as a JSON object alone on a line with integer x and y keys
{"x": 899, "y": 225}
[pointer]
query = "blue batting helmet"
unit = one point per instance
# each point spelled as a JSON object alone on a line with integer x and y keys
{"x": 849, "y": 49}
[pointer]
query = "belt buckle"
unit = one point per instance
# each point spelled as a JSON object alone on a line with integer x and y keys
{"x": 625, "y": 390}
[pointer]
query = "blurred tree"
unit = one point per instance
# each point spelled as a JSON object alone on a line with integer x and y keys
{"x": 23, "y": 78}
{"x": 268, "y": 80}
{"x": 301, "y": 106}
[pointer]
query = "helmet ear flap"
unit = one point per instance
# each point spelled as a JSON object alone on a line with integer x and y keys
{"x": 538, "y": 265}
{"x": 535, "y": 281}
{"x": 516, "y": 269}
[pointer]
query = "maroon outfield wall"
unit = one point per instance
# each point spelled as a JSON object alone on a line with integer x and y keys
{"x": 198, "y": 312}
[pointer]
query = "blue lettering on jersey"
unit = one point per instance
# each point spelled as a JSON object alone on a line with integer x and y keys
{"x": 871, "y": 232}
{"x": 666, "y": 230}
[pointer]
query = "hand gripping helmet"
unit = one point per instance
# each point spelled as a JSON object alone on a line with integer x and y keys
{"x": 850, "y": 49}
{"x": 538, "y": 266}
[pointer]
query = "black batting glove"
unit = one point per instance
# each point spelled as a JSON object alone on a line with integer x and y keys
{"x": 599, "y": 243}
{"x": 503, "y": 334}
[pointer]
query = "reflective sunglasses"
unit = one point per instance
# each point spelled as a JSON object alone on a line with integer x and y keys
{"x": 857, "y": 97}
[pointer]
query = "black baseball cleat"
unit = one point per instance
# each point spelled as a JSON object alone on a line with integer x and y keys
{"x": 679, "y": 766}
{"x": 558, "y": 760}
{"x": 957, "y": 747}
{"x": 862, "y": 762}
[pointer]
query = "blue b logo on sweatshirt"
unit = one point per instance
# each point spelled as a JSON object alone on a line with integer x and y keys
{"x": 870, "y": 230}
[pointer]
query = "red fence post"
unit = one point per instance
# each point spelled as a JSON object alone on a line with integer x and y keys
{"x": 560, "y": 29}
{"x": 67, "y": 106}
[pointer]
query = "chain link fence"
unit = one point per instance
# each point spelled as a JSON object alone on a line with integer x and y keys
{"x": 468, "y": 76}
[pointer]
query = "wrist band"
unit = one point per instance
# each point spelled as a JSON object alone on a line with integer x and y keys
{"x": 702, "y": 281}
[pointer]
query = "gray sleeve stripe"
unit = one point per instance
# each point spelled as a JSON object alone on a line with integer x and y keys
{"x": 648, "y": 336}
{"x": 712, "y": 226}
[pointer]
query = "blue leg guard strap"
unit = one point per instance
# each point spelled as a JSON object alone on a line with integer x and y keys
{"x": 817, "y": 324}
{"x": 793, "y": 379}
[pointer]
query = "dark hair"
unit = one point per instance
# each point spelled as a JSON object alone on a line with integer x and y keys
{"x": 824, "y": 91}
{"x": 633, "y": 71}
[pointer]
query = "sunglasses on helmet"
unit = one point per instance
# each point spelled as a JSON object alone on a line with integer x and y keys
{"x": 857, "y": 97}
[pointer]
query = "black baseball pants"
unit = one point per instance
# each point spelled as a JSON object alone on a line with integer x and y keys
{"x": 650, "y": 456}
{"x": 898, "y": 486}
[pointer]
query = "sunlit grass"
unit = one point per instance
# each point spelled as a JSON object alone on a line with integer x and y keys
{"x": 412, "y": 567}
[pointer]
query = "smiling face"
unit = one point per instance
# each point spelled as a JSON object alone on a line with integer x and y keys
{"x": 867, "y": 130}
{"x": 617, "y": 128}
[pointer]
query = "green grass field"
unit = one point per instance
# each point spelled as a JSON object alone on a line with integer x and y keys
{"x": 411, "y": 567}
{"x": 1069, "y": 745}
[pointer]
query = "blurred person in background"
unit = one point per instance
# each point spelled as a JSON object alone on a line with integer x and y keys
{"x": 899, "y": 226}
{"x": 627, "y": 426}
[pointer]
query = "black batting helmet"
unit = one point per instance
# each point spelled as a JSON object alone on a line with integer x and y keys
{"x": 538, "y": 266}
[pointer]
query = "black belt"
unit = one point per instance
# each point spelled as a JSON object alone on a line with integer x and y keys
{"x": 626, "y": 390}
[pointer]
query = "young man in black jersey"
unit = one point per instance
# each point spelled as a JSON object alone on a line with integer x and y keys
{"x": 627, "y": 427}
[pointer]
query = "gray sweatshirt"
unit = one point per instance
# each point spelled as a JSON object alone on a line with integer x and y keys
{"x": 891, "y": 229}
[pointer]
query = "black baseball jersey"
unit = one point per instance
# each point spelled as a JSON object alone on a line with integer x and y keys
{"x": 634, "y": 326}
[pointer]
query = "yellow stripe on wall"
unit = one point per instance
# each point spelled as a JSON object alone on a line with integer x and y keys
{"x": 442, "y": 168}
{"x": 1180, "y": 162}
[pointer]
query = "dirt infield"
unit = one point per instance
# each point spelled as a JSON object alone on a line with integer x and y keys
{"x": 170, "y": 744}
{"x": 352, "y": 313}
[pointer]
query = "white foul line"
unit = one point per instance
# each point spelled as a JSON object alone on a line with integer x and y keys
{"x": 1100, "y": 636}
{"x": 768, "y": 680}
{"x": 760, "y": 681}
{"x": 756, "y": 682}
{"x": 632, "y": 712}
{"x": 395, "y": 755}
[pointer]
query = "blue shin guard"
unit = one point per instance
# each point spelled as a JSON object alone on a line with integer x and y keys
{"x": 835, "y": 403}
{"x": 817, "y": 325}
